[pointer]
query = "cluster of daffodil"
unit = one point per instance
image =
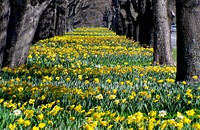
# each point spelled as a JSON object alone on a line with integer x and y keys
{"x": 92, "y": 79}
{"x": 94, "y": 32}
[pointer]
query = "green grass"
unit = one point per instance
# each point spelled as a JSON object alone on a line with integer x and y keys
{"x": 174, "y": 54}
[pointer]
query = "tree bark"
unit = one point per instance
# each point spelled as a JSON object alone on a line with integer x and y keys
{"x": 119, "y": 24}
{"x": 117, "y": 20}
{"x": 52, "y": 21}
{"x": 141, "y": 10}
{"x": 4, "y": 18}
{"x": 188, "y": 40}
{"x": 129, "y": 19}
{"x": 22, "y": 25}
{"x": 162, "y": 49}
{"x": 135, "y": 23}
{"x": 61, "y": 17}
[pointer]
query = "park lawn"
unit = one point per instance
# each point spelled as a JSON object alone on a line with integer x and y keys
{"x": 93, "y": 79}
{"x": 174, "y": 54}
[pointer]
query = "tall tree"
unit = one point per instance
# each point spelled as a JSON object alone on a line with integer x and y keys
{"x": 188, "y": 39}
{"x": 4, "y": 17}
{"x": 117, "y": 18}
{"x": 23, "y": 19}
{"x": 162, "y": 47}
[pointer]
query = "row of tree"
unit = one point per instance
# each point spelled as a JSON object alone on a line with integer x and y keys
{"x": 149, "y": 21}
{"x": 23, "y": 22}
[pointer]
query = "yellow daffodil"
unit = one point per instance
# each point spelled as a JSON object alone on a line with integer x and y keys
{"x": 100, "y": 96}
{"x": 78, "y": 108}
{"x": 41, "y": 125}
{"x": 20, "y": 89}
{"x": 20, "y": 120}
{"x": 190, "y": 112}
{"x": 1, "y": 100}
{"x": 12, "y": 126}
{"x": 196, "y": 126}
{"x": 29, "y": 113}
{"x": 35, "y": 128}
{"x": 27, "y": 123}
{"x": 72, "y": 118}
{"x": 112, "y": 97}
{"x": 31, "y": 101}
{"x": 195, "y": 77}
{"x": 40, "y": 116}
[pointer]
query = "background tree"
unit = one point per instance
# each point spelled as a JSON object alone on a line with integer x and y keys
{"x": 135, "y": 22}
{"x": 148, "y": 22}
{"x": 72, "y": 10}
{"x": 91, "y": 13}
{"x": 107, "y": 17}
{"x": 86, "y": 13}
{"x": 53, "y": 20}
{"x": 134, "y": 19}
{"x": 171, "y": 11}
{"x": 124, "y": 17}
{"x": 117, "y": 18}
{"x": 188, "y": 39}
{"x": 145, "y": 22}
{"x": 130, "y": 18}
{"x": 162, "y": 48}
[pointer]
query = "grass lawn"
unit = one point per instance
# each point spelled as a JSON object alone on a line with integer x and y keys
{"x": 174, "y": 54}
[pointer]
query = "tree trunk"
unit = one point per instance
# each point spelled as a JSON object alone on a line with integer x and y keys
{"x": 135, "y": 22}
{"x": 4, "y": 18}
{"x": 22, "y": 25}
{"x": 141, "y": 21}
{"x": 52, "y": 21}
{"x": 123, "y": 23}
{"x": 119, "y": 24}
{"x": 188, "y": 40}
{"x": 129, "y": 19}
{"x": 146, "y": 24}
{"x": 46, "y": 25}
{"x": 136, "y": 31}
{"x": 61, "y": 17}
{"x": 162, "y": 49}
